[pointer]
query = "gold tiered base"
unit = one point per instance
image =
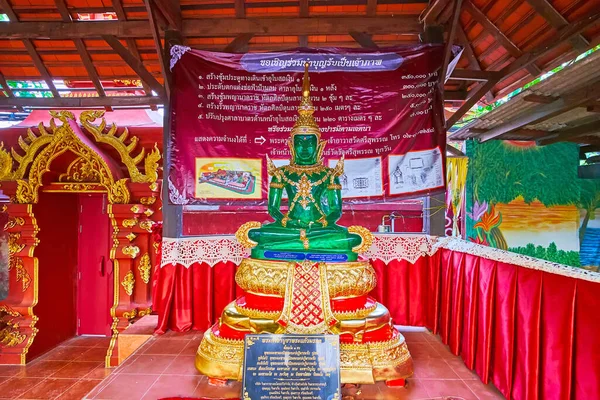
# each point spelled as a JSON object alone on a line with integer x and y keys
{"x": 285, "y": 297}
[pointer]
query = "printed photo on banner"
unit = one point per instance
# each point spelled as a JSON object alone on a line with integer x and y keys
{"x": 415, "y": 171}
{"x": 228, "y": 178}
{"x": 362, "y": 177}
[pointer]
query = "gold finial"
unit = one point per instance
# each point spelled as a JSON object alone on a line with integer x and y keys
{"x": 306, "y": 82}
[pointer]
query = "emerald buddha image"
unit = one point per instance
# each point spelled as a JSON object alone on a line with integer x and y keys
{"x": 315, "y": 201}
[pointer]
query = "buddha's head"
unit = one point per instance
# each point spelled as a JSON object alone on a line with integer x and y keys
{"x": 305, "y": 141}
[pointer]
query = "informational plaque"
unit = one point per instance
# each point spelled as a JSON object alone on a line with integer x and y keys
{"x": 291, "y": 367}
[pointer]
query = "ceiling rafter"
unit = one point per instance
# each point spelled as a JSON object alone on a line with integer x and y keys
{"x": 364, "y": 39}
{"x": 171, "y": 11}
{"x": 450, "y": 40}
{"x": 160, "y": 50}
{"x": 131, "y": 45}
{"x": 569, "y": 134}
{"x": 526, "y": 59}
{"x": 493, "y": 30}
{"x": 371, "y": 8}
{"x": 7, "y": 89}
{"x": 471, "y": 58}
{"x": 81, "y": 50}
{"x": 304, "y": 13}
{"x": 134, "y": 63}
{"x": 546, "y": 10}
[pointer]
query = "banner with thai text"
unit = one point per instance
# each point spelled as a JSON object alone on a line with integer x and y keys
{"x": 381, "y": 110}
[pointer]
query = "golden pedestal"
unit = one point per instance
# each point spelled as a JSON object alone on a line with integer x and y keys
{"x": 308, "y": 298}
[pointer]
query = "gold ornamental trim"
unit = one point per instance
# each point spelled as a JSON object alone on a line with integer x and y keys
{"x": 10, "y": 335}
{"x": 145, "y": 267}
{"x": 269, "y": 277}
{"x": 242, "y": 234}
{"x": 4, "y": 309}
{"x": 258, "y": 314}
{"x": 14, "y": 221}
{"x": 129, "y": 223}
{"x": 148, "y": 201}
{"x": 355, "y": 314}
{"x": 147, "y": 225}
{"x": 130, "y": 314}
{"x": 222, "y": 351}
{"x": 128, "y": 283}
{"x": 131, "y": 251}
{"x": 143, "y": 313}
{"x": 41, "y": 148}
{"x": 365, "y": 235}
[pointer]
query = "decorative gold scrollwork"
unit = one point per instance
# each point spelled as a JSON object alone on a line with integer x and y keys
{"x": 147, "y": 225}
{"x": 130, "y": 314}
{"x": 14, "y": 246}
{"x": 128, "y": 283}
{"x": 9, "y": 311}
{"x": 242, "y": 234}
{"x": 125, "y": 150}
{"x": 129, "y": 223}
{"x": 365, "y": 235}
{"x": 148, "y": 201}
{"x": 143, "y": 313}
{"x": 135, "y": 209}
{"x": 131, "y": 251}
{"x": 14, "y": 221}
{"x": 148, "y": 212}
{"x": 130, "y": 236}
{"x": 10, "y": 335}
{"x": 145, "y": 267}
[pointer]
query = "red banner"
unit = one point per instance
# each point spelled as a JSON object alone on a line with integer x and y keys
{"x": 381, "y": 110}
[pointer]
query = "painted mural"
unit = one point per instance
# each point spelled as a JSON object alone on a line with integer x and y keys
{"x": 529, "y": 200}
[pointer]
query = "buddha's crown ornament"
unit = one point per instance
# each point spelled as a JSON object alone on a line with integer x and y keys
{"x": 306, "y": 124}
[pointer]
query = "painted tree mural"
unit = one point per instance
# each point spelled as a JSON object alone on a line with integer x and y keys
{"x": 524, "y": 198}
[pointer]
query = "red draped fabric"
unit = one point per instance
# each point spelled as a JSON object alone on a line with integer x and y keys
{"x": 534, "y": 334}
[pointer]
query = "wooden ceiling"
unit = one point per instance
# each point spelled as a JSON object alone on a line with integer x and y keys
{"x": 506, "y": 42}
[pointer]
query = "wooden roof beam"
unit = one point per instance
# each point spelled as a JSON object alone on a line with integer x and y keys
{"x": 81, "y": 102}
{"x": 473, "y": 75}
{"x": 493, "y": 30}
{"x": 546, "y": 10}
{"x": 160, "y": 51}
{"x": 135, "y": 64}
{"x": 544, "y": 112}
{"x": 526, "y": 59}
{"x": 222, "y": 27}
{"x": 565, "y": 135}
{"x": 304, "y": 11}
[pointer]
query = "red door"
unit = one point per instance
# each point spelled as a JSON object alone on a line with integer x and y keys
{"x": 95, "y": 271}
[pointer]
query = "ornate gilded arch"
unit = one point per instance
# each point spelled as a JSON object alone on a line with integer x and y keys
{"x": 41, "y": 149}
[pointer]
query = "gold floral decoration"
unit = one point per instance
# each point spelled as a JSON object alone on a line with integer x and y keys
{"x": 148, "y": 201}
{"x": 9, "y": 311}
{"x": 148, "y": 212}
{"x": 15, "y": 262}
{"x": 147, "y": 225}
{"x": 143, "y": 313}
{"x": 130, "y": 314}
{"x": 128, "y": 283}
{"x": 131, "y": 251}
{"x": 135, "y": 209}
{"x": 10, "y": 335}
{"x": 129, "y": 223}
{"x": 14, "y": 221}
{"x": 14, "y": 246}
{"x": 145, "y": 268}
{"x": 130, "y": 236}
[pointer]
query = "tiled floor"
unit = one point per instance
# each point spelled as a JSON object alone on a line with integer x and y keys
{"x": 164, "y": 367}
{"x": 67, "y": 372}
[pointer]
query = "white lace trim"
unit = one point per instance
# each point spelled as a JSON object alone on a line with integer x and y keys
{"x": 509, "y": 257}
{"x": 208, "y": 249}
{"x": 177, "y": 52}
{"x": 386, "y": 247}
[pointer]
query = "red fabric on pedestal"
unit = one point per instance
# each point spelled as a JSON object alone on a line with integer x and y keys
{"x": 532, "y": 333}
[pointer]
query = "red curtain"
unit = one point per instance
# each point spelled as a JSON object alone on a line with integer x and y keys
{"x": 534, "y": 334}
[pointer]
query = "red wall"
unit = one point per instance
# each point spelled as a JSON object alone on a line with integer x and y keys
{"x": 227, "y": 219}
{"x": 56, "y": 215}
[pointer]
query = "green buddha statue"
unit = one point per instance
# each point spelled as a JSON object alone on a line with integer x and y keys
{"x": 308, "y": 229}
